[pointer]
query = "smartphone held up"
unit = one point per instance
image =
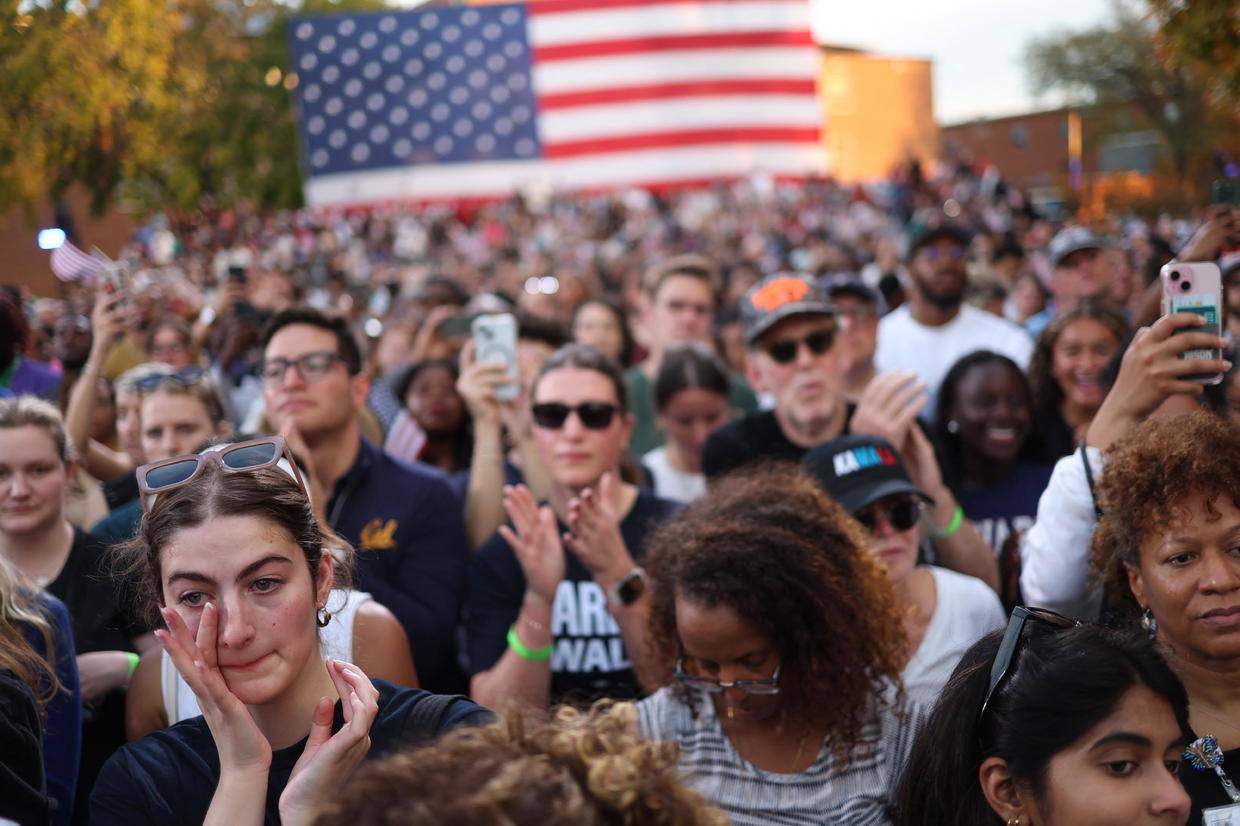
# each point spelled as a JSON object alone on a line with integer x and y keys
{"x": 495, "y": 339}
{"x": 1195, "y": 288}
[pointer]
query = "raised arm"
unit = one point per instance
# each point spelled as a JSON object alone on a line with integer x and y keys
{"x": 100, "y": 461}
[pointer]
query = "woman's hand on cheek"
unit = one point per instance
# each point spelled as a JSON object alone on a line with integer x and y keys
{"x": 329, "y": 759}
{"x": 241, "y": 745}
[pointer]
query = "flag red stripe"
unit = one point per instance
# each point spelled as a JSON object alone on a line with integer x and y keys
{"x": 540, "y": 7}
{"x": 662, "y": 91}
{"x": 667, "y": 43}
{"x": 654, "y": 140}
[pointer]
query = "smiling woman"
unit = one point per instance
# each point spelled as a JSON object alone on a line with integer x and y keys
{"x": 991, "y": 459}
{"x": 232, "y": 559}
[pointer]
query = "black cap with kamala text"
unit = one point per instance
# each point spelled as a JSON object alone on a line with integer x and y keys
{"x": 859, "y": 470}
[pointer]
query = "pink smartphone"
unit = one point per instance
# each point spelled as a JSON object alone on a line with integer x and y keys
{"x": 1195, "y": 288}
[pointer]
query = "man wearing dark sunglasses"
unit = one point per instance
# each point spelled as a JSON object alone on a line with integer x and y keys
{"x": 934, "y": 328}
{"x": 790, "y": 328}
{"x": 949, "y": 611}
{"x": 404, "y": 520}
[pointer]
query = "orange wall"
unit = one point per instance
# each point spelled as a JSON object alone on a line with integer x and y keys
{"x": 21, "y": 260}
{"x": 879, "y": 111}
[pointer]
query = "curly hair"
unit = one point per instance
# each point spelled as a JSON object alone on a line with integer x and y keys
{"x": 1149, "y": 481}
{"x": 579, "y": 769}
{"x": 1046, "y": 391}
{"x": 770, "y": 545}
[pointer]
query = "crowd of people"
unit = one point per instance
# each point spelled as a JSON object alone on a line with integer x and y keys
{"x": 797, "y": 503}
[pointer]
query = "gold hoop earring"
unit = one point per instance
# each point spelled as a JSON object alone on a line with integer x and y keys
{"x": 322, "y": 617}
{"x": 1014, "y": 821}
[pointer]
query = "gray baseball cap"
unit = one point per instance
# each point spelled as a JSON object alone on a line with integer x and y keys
{"x": 781, "y": 296}
{"x": 1074, "y": 239}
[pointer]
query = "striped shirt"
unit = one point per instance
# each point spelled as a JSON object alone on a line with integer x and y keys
{"x": 858, "y": 795}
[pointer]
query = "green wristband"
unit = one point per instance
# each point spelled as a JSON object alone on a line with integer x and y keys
{"x": 532, "y": 654}
{"x": 133, "y": 666}
{"x": 954, "y": 525}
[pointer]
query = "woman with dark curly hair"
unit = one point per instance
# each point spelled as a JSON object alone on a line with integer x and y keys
{"x": 1167, "y": 549}
{"x": 1065, "y": 372}
{"x": 784, "y": 640}
{"x": 578, "y": 769}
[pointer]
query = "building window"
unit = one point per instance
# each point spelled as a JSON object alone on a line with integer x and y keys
{"x": 1020, "y": 135}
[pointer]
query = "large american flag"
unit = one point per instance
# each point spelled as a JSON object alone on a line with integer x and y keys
{"x": 479, "y": 101}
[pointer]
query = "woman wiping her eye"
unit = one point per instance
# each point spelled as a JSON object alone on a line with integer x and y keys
{"x": 230, "y": 554}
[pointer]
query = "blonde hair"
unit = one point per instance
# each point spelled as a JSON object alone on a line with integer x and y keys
{"x": 579, "y": 769}
{"x": 28, "y": 411}
{"x": 18, "y": 608}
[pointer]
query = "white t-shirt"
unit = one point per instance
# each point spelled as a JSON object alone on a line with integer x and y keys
{"x": 965, "y": 610}
{"x": 670, "y": 483}
{"x": 905, "y": 344}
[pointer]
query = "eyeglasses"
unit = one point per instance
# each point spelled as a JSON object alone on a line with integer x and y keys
{"x": 713, "y": 686}
{"x": 594, "y": 415}
{"x": 185, "y": 377}
{"x": 1011, "y": 640}
{"x": 243, "y": 457}
{"x": 901, "y": 514}
{"x": 310, "y": 367}
{"x": 785, "y": 351}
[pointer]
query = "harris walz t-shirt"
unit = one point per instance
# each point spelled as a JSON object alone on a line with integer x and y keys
{"x": 588, "y": 659}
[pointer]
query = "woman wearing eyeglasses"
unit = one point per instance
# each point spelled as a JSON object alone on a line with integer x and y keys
{"x": 1051, "y": 724}
{"x": 231, "y": 557}
{"x": 1167, "y": 548}
{"x": 556, "y": 604}
{"x": 945, "y": 611}
{"x": 781, "y": 640}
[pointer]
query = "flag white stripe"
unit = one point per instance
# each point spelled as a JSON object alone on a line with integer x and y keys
{"x": 668, "y": 19}
{"x": 486, "y": 180}
{"x": 675, "y": 66}
{"x": 672, "y": 114}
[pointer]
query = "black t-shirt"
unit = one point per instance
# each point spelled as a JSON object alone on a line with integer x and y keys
{"x": 757, "y": 437}
{"x": 23, "y": 797}
{"x": 169, "y": 776}
{"x": 100, "y": 623}
{"x": 588, "y": 659}
{"x": 1204, "y": 788}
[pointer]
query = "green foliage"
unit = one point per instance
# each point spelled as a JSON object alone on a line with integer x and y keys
{"x": 1205, "y": 35}
{"x": 160, "y": 101}
{"x": 1117, "y": 63}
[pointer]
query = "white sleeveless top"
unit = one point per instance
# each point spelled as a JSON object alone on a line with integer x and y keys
{"x": 335, "y": 641}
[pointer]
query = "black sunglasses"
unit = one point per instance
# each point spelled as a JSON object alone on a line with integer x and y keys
{"x": 185, "y": 377}
{"x": 785, "y": 350}
{"x": 901, "y": 514}
{"x": 1011, "y": 641}
{"x": 594, "y": 415}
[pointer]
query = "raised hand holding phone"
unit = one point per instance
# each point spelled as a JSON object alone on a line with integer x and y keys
{"x": 1196, "y": 288}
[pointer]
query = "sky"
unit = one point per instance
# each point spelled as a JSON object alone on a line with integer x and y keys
{"x": 977, "y": 46}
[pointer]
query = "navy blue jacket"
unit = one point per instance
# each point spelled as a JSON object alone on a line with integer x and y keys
{"x": 412, "y": 555}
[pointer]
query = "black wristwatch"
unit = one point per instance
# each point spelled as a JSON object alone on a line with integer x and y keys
{"x": 629, "y": 589}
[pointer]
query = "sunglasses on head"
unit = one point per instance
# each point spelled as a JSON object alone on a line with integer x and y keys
{"x": 785, "y": 350}
{"x": 185, "y": 377}
{"x": 1011, "y": 641}
{"x": 243, "y": 457}
{"x": 901, "y": 514}
{"x": 594, "y": 415}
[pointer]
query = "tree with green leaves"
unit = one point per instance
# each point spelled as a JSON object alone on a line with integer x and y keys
{"x": 1205, "y": 35}
{"x": 158, "y": 102}
{"x": 1115, "y": 64}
